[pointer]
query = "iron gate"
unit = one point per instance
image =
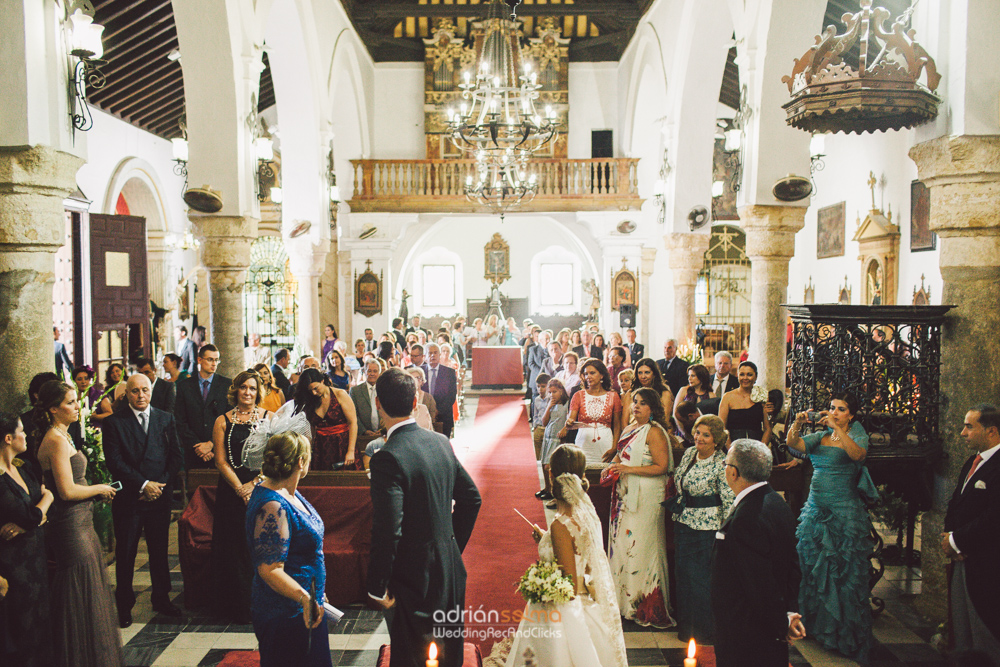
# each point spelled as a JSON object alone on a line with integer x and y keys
{"x": 270, "y": 295}
{"x": 722, "y": 296}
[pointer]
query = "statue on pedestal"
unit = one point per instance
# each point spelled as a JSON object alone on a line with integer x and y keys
{"x": 404, "y": 309}
{"x": 590, "y": 287}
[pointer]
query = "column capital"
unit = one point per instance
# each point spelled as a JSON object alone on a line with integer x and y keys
{"x": 771, "y": 229}
{"x": 687, "y": 249}
{"x": 648, "y": 257}
{"x": 307, "y": 259}
{"x": 33, "y": 183}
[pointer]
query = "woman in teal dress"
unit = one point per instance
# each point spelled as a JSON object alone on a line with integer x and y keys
{"x": 834, "y": 532}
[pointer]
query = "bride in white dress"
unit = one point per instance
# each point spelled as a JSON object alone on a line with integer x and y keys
{"x": 587, "y": 630}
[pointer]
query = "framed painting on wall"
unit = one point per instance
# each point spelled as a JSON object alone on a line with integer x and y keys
{"x": 921, "y": 236}
{"x": 830, "y": 231}
{"x": 497, "y": 264}
{"x": 368, "y": 292}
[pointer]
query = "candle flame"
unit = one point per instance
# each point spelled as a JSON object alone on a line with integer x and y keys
{"x": 432, "y": 652}
{"x": 691, "y": 648}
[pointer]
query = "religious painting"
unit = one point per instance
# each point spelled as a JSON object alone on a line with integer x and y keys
{"x": 368, "y": 292}
{"x": 497, "y": 263}
{"x": 624, "y": 287}
{"x": 874, "y": 280}
{"x": 830, "y": 231}
{"x": 921, "y": 236}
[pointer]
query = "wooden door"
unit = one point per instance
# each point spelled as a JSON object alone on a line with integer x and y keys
{"x": 119, "y": 289}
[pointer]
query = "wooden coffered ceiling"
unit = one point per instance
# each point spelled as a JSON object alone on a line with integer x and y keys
{"x": 146, "y": 89}
{"x": 392, "y": 30}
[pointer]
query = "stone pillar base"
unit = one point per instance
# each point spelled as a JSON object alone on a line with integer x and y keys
{"x": 225, "y": 252}
{"x": 687, "y": 259}
{"x": 770, "y": 244}
{"x": 33, "y": 183}
{"x": 963, "y": 174}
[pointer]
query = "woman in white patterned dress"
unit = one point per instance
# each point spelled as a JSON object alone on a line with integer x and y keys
{"x": 637, "y": 535}
{"x": 587, "y": 630}
{"x": 596, "y": 413}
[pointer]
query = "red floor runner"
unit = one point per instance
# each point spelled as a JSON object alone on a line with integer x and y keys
{"x": 502, "y": 462}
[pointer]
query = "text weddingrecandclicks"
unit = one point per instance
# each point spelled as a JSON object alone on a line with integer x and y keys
{"x": 482, "y": 624}
{"x": 489, "y": 632}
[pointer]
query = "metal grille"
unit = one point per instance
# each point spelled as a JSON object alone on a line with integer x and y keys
{"x": 722, "y": 295}
{"x": 270, "y": 301}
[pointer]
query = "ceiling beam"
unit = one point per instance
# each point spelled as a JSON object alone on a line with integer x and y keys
{"x": 367, "y": 13}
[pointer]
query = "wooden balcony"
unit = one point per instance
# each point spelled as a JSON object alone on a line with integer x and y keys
{"x": 438, "y": 186}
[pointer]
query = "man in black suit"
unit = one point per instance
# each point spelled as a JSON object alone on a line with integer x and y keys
{"x": 724, "y": 379}
{"x": 972, "y": 540}
{"x": 281, "y": 360}
{"x": 416, "y": 571}
{"x": 142, "y": 452}
{"x": 201, "y": 398}
{"x": 185, "y": 350}
{"x": 164, "y": 393}
{"x": 636, "y": 350}
{"x": 586, "y": 349}
{"x": 415, "y": 326}
{"x": 755, "y": 567}
{"x": 673, "y": 369}
{"x": 370, "y": 343}
{"x": 442, "y": 384}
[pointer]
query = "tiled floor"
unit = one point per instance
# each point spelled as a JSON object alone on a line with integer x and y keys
{"x": 153, "y": 640}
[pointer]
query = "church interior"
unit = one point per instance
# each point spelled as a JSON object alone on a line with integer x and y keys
{"x": 762, "y": 177}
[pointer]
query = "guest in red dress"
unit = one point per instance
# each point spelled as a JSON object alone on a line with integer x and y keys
{"x": 334, "y": 421}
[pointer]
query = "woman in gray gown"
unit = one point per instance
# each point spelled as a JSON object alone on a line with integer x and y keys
{"x": 84, "y": 621}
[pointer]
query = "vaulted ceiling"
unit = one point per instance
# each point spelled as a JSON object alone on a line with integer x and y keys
{"x": 146, "y": 88}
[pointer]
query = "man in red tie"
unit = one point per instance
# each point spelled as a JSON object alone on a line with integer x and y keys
{"x": 972, "y": 540}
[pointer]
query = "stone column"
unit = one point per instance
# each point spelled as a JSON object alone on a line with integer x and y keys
{"x": 225, "y": 252}
{"x": 646, "y": 266}
{"x": 307, "y": 264}
{"x": 687, "y": 259}
{"x": 770, "y": 244}
{"x": 963, "y": 174}
{"x": 33, "y": 183}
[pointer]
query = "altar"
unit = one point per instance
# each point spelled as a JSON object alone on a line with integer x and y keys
{"x": 497, "y": 367}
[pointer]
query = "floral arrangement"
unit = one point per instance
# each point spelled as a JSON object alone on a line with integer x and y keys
{"x": 691, "y": 352}
{"x": 97, "y": 473}
{"x": 545, "y": 582}
{"x": 758, "y": 394}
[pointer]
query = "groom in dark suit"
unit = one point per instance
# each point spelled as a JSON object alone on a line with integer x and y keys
{"x": 142, "y": 452}
{"x": 416, "y": 571}
{"x": 972, "y": 540}
{"x": 755, "y": 567}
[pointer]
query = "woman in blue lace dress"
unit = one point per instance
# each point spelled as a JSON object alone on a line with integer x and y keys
{"x": 834, "y": 532}
{"x": 285, "y": 535}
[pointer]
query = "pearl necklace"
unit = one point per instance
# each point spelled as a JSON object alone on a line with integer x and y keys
{"x": 229, "y": 436}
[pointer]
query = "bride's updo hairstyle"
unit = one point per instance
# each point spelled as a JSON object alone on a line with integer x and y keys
{"x": 282, "y": 454}
{"x": 568, "y": 459}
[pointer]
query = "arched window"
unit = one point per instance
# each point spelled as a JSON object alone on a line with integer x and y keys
{"x": 437, "y": 283}
{"x": 722, "y": 295}
{"x": 555, "y": 282}
{"x": 270, "y": 302}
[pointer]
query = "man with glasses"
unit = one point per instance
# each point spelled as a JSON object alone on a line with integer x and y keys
{"x": 755, "y": 567}
{"x": 201, "y": 398}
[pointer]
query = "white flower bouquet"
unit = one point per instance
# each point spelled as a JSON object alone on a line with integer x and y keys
{"x": 545, "y": 582}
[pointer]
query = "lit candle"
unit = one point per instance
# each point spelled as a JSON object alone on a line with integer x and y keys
{"x": 432, "y": 654}
{"x": 688, "y": 661}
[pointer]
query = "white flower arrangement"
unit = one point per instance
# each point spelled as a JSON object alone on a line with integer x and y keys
{"x": 691, "y": 352}
{"x": 545, "y": 582}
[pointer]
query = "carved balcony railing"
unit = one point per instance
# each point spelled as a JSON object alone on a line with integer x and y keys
{"x": 423, "y": 186}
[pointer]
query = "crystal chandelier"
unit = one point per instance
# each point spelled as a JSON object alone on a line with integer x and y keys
{"x": 500, "y": 188}
{"x": 497, "y": 122}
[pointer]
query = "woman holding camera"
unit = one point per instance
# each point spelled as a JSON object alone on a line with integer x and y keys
{"x": 834, "y": 530}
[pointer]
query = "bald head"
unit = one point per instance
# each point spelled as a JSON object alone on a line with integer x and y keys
{"x": 138, "y": 390}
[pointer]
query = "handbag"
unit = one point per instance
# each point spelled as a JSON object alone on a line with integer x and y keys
{"x": 608, "y": 478}
{"x": 866, "y": 488}
{"x": 674, "y": 500}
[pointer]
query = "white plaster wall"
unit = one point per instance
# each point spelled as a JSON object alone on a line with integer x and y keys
{"x": 399, "y": 128}
{"x": 593, "y": 105}
{"x": 849, "y": 159}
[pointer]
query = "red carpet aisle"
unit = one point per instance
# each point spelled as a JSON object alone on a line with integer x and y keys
{"x": 501, "y": 460}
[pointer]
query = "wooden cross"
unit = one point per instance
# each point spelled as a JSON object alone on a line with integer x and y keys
{"x": 871, "y": 184}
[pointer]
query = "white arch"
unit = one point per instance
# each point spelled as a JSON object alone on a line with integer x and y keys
{"x": 649, "y": 54}
{"x": 137, "y": 168}
{"x": 345, "y": 61}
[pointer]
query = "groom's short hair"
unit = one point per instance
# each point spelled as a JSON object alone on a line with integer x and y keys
{"x": 396, "y": 390}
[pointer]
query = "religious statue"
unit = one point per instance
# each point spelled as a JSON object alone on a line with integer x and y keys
{"x": 590, "y": 287}
{"x": 404, "y": 309}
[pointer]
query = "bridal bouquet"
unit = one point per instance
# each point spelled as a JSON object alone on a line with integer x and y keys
{"x": 545, "y": 582}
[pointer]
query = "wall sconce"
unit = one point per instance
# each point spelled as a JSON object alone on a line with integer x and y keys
{"x": 331, "y": 179}
{"x": 264, "y": 150}
{"x": 817, "y": 151}
{"x": 85, "y": 45}
{"x": 718, "y": 189}
{"x": 660, "y": 189}
{"x": 179, "y": 147}
{"x": 734, "y": 141}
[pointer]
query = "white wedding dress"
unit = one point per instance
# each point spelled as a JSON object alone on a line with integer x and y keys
{"x": 586, "y": 631}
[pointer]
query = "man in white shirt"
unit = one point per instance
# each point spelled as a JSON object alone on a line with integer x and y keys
{"x": 370, "y": 343}
{"x": 755, "y": 567}
{"x": 363, "y": 396}
{"x": 164, "y": 394}
{"x": 442, "y": 384}
{"x": 724, "y": 380}
{"x": 255, "y": 353}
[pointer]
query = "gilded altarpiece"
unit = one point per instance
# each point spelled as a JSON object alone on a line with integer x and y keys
{"x": 448, "y": 55}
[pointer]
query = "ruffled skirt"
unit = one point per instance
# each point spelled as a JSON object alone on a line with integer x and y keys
{"x": 834, "y": 550}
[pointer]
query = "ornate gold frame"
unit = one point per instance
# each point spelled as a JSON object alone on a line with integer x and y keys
{"x": 624, "y": 287}
{"x": 373, "y": 283}
{"x": 497, "y": 270}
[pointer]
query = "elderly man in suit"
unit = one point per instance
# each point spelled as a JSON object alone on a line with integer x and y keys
{"x": 185, "y": 350}
{"x": 724, "y": 379}
{"x": 142, "y": 452}
{"x": 201, "y": 398}
{"x": 755, "y": 567}
{"x": 972, "y": 540}
{"x": 424, "y": 507}
{"x": 586, "y": 349}
{"x": 673, "y": 369}
{"x": 363, "y": 395}
{"x": 442, "y": 384}
{"x": 164, "y": 393}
